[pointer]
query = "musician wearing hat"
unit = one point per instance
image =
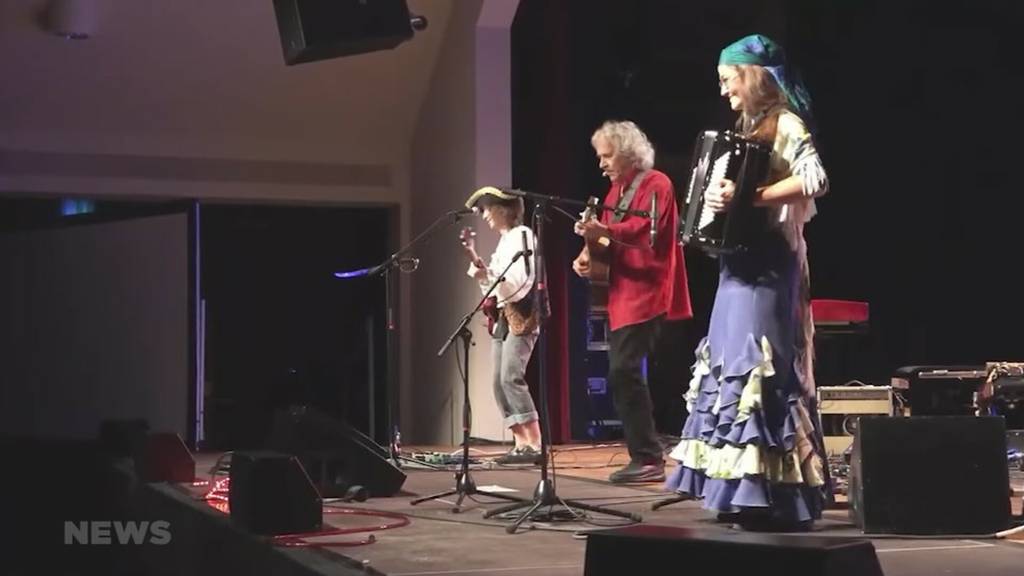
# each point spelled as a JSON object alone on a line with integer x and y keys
{"x": 514, "y": 320}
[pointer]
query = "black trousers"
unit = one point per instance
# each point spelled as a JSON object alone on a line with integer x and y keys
{"x": 628, "y": 346}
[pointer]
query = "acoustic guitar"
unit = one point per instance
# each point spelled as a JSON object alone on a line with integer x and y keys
{"x": 490, "y": 308}
{"x": 598, "y": 253}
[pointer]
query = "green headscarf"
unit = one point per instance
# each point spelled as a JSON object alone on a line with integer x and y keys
{"x": 763, "y": 51}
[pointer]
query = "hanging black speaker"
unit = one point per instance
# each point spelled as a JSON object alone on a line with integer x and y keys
{"x": 320, "y": 29}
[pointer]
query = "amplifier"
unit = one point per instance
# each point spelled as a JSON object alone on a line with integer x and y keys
{"x": 841, "y": 406}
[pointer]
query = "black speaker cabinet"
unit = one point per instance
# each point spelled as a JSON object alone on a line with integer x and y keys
{"x": 647, "y": 549}
{"x": 336, "y": 455}
{"x": 930, "y": 475}
{"x": 166, "y": 459}
{"x": 320, "y": 29}
{"x": 270, "y": 493}
{"x": 939, "y": 390}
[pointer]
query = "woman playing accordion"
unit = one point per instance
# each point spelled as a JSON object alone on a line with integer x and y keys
{"x": 751, "y": 446}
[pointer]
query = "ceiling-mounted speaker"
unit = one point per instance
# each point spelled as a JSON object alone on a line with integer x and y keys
{"x": 72, "y": 19}
{"x": 320, "y": 29}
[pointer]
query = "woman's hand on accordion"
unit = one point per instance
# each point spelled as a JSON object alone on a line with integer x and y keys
{"x": 720, "y": 194}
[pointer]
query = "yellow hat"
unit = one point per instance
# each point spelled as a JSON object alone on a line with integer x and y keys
{"x": 489, "y": 191}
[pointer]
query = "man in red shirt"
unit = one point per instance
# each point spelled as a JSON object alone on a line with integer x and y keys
{"x": 646, "y": 282}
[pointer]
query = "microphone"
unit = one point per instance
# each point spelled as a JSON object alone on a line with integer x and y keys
{"x": 654, "y": 219}
{"x": 462, "y": 211}
{"x": 526, "y": 254}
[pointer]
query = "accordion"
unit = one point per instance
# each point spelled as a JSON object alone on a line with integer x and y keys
{"x": 728, "y": 155}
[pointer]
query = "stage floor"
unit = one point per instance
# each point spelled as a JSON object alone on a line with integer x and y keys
{"x": 438, "y": 541}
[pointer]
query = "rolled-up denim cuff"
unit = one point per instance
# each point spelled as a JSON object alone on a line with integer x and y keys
{"x": 514, "y": 419}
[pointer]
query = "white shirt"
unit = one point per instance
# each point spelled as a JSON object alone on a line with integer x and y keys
{"x": 517, "y": 282}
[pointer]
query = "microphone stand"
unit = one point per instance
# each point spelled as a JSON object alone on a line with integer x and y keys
{"x": 464, "y": 484}
{"x": 544, "y": 494}
{"x": 405, "y": 264}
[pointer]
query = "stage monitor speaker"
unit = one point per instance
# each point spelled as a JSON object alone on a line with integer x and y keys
{"x": 647, "y": 549}
{"x": 930, "y": 475}
{"x": 165, "y": 458}
{"x": 320, "y": 29}
{"x": 336, "y": 455}
{"x": 270, "y": 493}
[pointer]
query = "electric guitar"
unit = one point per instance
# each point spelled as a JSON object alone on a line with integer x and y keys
{"x": 597, "y": 252}
{"x": 490, "y": 308}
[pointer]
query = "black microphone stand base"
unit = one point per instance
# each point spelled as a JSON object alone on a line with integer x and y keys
{"x": 544, "y": 495}
{"x": 464, "y": 486}
{"x": 671, "y": 500}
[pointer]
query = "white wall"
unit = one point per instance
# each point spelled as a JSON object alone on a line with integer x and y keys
{"x": 463, "y": 141}
{"x": 191, "y": 99}
{"x": 442, "y": 174}
{"x": 493, "y": 166}
{"x": 202, "y": 79}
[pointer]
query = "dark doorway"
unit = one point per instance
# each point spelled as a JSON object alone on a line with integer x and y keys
{"x": 281, "y": 329}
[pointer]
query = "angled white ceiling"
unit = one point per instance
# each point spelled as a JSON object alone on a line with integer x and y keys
{"x": 201, "y": 77}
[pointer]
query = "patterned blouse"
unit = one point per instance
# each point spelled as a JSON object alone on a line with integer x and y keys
{"x": 794, "y": 154}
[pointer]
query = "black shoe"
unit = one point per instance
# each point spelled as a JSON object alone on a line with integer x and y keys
{"x": 520, "y": 455}
{"x": 639, "y": 472}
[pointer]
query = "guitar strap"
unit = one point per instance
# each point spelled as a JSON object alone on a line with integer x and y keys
{"x": 627, "y": 198}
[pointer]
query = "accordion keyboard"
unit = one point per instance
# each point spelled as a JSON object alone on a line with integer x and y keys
{"x": 718, "y": 172}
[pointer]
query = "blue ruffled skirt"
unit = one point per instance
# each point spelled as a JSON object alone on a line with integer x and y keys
{"x": 748, "y": 444}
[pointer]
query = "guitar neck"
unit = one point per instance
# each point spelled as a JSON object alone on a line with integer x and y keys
{"x": 467, "y": 238}
{"x": 474, "y": 258}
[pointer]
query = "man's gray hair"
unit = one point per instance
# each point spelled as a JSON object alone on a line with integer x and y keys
{"x": 629, "y": 140}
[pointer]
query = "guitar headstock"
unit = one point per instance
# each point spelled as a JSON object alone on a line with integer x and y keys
{"x": 468, "y": 237}
{"x": 590, "y": 212}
